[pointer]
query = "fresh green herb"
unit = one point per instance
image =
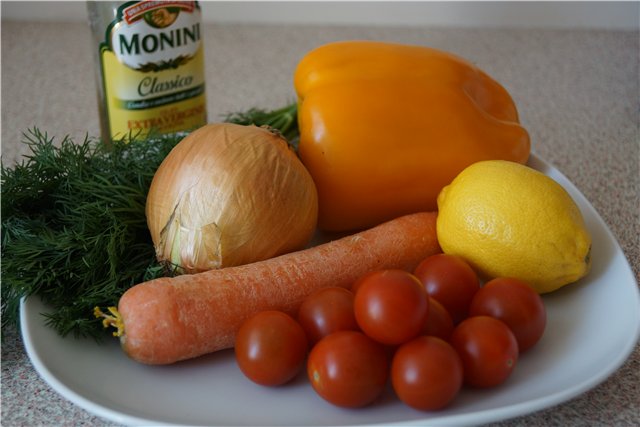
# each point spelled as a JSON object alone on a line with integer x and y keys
{"x": 73, "y": 226}
{"x": 284, "y": 119}
{"x": 74, "y": 229}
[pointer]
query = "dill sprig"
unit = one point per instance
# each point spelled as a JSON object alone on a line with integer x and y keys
{"x": 284, "y": 119}
{"x": 74, "y": 230}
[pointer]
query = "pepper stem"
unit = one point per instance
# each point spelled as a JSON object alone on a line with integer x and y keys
{"x": 114, "y": 319}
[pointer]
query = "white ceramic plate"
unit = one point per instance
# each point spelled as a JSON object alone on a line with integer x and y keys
{"x": 212, "y": 391}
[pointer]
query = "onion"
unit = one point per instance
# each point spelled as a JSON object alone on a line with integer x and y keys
{"x": 229, "y": 195}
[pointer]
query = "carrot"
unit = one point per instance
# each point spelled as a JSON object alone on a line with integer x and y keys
{"x": 170, "y": 319}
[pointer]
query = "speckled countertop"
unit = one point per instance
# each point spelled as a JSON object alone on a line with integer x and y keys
{"x": 577, "y": 92}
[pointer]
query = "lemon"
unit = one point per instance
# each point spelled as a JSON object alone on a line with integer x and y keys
{"x": 509, "y": 220}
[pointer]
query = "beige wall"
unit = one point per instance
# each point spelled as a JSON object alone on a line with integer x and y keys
{"x": 546, "y": 14}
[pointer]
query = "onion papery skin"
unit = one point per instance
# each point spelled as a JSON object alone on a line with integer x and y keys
{"x": 230, "y": 195}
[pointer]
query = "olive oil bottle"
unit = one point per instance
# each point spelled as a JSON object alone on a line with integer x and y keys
{"x": 150, "y": 66}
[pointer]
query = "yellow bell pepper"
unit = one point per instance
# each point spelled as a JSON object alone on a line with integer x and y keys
{"x": 384, "y": 127}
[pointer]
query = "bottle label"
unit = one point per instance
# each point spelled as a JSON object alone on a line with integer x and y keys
{"x": 153, "y": 68}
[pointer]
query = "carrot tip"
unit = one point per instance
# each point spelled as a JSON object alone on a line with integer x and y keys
{"x": 114, "y": 319}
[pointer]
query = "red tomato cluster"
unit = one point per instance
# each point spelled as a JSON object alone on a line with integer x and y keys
{"x": 429, "y": 332}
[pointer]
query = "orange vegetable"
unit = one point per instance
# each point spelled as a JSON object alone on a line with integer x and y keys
{"x": 170, "y": 319}
{"x": 384, "y": 127}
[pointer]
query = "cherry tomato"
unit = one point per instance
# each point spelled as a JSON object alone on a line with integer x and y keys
{"x": 326, "y": 311}
{"x": 450, "y": 280}
{"x": 426, "y": 373}
{"x": 391, "y": 306}
{"x": 516, "y": 304}
{"x": 439, "y": 323}
{"x": 348, "y": 369}
{"x": 488, "y": 349}
{"x": 271, "y": 348}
